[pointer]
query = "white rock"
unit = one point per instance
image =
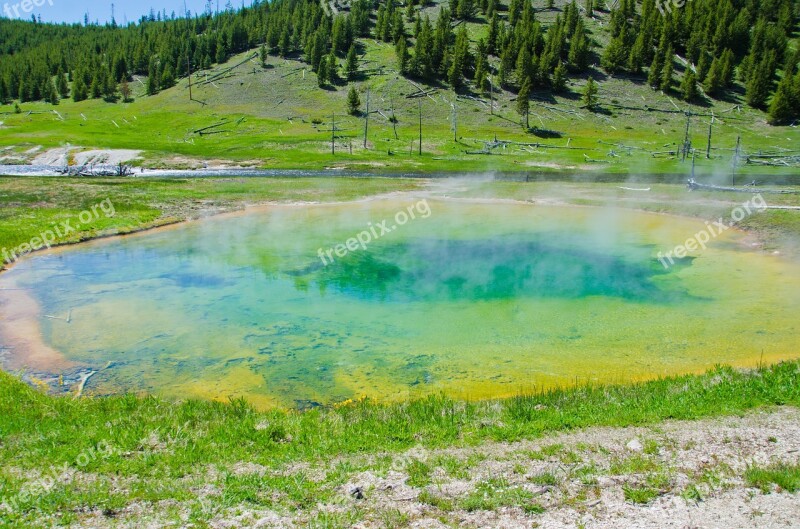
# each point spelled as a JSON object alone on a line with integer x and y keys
{"x": 634, "y": 445}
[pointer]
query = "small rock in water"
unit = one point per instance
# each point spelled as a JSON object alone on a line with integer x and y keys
{"x": 634, "y": 445}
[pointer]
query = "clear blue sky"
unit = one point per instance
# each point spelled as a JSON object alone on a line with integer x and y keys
{"x": 100, "y": 10}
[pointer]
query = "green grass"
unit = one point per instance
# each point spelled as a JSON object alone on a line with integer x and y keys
{"x": 784, "y": 475}
{"x": 169, "y": 443}
{"x": 692, "y": 493}
{"x": 635, "y": 464}
{"x": 419, "y": 473}
{"x": 454, "y": 467}
{"x": 31, "y": 206}
{"x": 544, "y": 478}
{"x": 495, "y": 493}
{"x": 639, "y": 494}
{"x": 434, "y": 500}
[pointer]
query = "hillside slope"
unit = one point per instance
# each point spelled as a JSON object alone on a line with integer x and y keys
{"x": 272, "y": 113}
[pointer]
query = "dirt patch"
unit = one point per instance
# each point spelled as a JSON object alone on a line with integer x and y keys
{"x": 62, "y": 156}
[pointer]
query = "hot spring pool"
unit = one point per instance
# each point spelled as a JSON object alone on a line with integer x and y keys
{"x": 474, "y": 299}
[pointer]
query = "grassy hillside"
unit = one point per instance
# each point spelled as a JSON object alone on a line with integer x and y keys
{"x": 279, "y": 118}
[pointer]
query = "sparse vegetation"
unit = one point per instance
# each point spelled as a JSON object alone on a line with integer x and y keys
{"x": 164, "y": 443}
{"x": 783, "y": 475}
{"x": 639, "y": 494}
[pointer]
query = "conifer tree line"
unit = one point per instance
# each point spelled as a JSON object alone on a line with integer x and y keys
{"x": 698, "y": 50}
{"x": 715, "y": 42}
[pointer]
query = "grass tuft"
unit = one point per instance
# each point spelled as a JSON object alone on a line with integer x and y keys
{"x": 639, "y": 494}
{"x": 786, "y": 476}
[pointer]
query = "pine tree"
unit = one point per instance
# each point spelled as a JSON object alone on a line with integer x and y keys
{"x": 726, "y": 68}
{"x": 491, "y": 37}
{"x": 333, "y": 68}
{"x": 79, "y": 91}
{"x": 459, "y": 58}
{"x": 654, "y": 75}
{"x": 380, "y": 22}
{"x": 167, "y": 77}
{"x": 560, "y": 78}
{"x": 48, "y": 92}
{"x": 781, "y": 110}
{"x": 514, "y": 8}
{"x": 120, "y": 69}
{"x": 222, "y": 49}
{"x": 637, "y": 54}
{"x": 410, "y": 13}
{"x": 523, "y": 102}
{"x": 524, "y": 66}
{"x": 465, "y": 9}
{"x": 666, "y": 72}
{"x": 109, "y": 87}
{"x": 352, "y": 63}
{"x": 96, "y": 88}
{"x": 590, "y": 94}
{"x": 760, "y": 82}
{"x": 703, "y": 66}
{"x": 689, "y": 85}
{"x": 153, "y": 82}
{"x": 401, "y": 50}
{"x": 322, "y": 72}
{"x": 353, "y": 102}
{"x": 713, "y": 82}
{"x": 614, "y": 57}
{"x": 503, "y": 71}
{"x": 578, "y": 56}
{"x": 61, "y": 84}
{"x": 284, "y": 47}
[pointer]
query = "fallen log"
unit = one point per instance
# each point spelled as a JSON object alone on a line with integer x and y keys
{"x": 221, "y": 123}
{"x": 227, "y": 70}
{"x": 420, "y": 91}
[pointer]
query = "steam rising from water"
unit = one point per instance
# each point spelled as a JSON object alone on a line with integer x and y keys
{"x": 505, "y": 268}
{"x": 479, "y": 300}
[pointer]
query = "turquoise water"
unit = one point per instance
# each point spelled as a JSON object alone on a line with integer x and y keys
{"x": 473, "y": 299}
